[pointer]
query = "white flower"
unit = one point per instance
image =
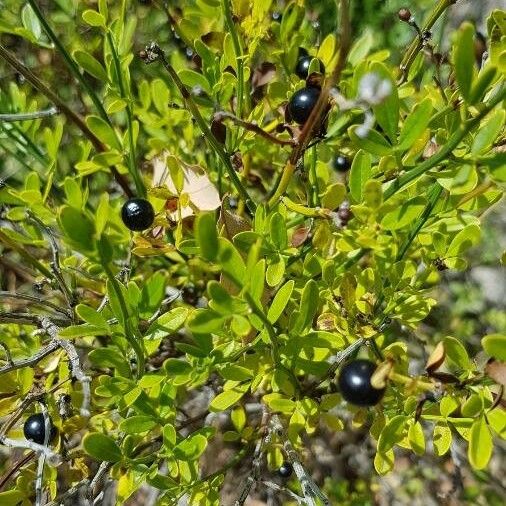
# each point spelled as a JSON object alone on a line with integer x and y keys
{"x": 372, "y": 89}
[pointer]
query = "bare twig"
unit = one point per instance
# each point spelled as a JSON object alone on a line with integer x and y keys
{"x": 30, "y": 445}
{"x": 28, "y": 116}
{"x": 69, "y": 493}
{"x": 253, "y": 127}
{"x": 32, "y": 360}
{"x": 8, "y": 355}
{"x": 39, "y": 480}
{"x": 277, "y": 488}
{"x": 15, "y": 468}
{"x": 75, "y": 363}
{"x": 310, "y": 490}
{"x": 99, "y": 476}
{"x": 55, "y": 264}
{"x": 35, "y": 300}
{"x": 254, "y": 475}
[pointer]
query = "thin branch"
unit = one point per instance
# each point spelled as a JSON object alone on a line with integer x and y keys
{"x": 153, "y": 53}
{"x": 315, "y": 118}
{"x": 55, "y": 264}
{"x": 32, "y": 360}
{"x": 277, "y": 488}
{"x": 69, "y": 493}
{"x": 28, "y": 116}
{"x": 36, "y": 300}
{"x": 253, "y": 127}
{"x": 254, "y": 475}
{"x": 63, "y": 108}
{"x": 30, "y": 445}
{"x": 310, "y": 490}
{"x": 15, "y": 468}
{"x": 39, "y": 480}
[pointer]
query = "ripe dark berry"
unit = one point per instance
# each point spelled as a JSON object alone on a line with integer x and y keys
{"x": 342, "y": 163}
{"x": 355, "y": 383}
{"x": 137, "y": 214}
{"x": 189, "y": 294}
{"x": 34, "y": 429}
{"x": 302, "y": 67}
{"x": 301, "y": 104}
{"x": 285, "y": 470}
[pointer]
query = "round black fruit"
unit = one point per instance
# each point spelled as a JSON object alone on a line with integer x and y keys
{"x": 301, "y": 104}
{"x": 355, "y": 383}
{"x": 342, "y": 163}
{"x": 285, "y": 470}
{"x": 34, "y": 429}
{"x": 137, "y": 214}
{"x": 302, "y": 67}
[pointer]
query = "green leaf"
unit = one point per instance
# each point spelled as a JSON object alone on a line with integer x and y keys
{"x": 488, "y": 132}
{"x": 101, "y": 447}
{"x": 93, "y": 18}
{"x": 480, "y": 87}
{"x": 384, "y": 461}
{"x": 480, "y": 444}
{"x": 456, "y": 353}
{"x": 137, "y": 424}
{"x": 360, "y": 173}
{"x": 404, "y": 215}
{"x": 463, "y": 59}
{"x": 207, "y": 236}
{"x": 193, "y": 79}
{"x": 226, "y": 399}
{"x": 103, "y": 131}
{"x": 442, "y": 438}
{"x": 191, "y": 448}
{"x": 84, "y": 330}
{"x": 387, "y": 113}
{"x": 275, "y": 270}
{"x": 278, "y": 231}
{"x": 167, "y": 323}
{"x": 495, "y": 346}
{"x": 231, "y": 261}
{"x": 78, "y": 228}
{"x": 278, "y": 304}
{"x": 90, "y": 315}
{"x": 374, "y": 143}
{"x": 416, "y": 438}
{"x": 392, "y": 433}
{"x": 91, "y": 65}
{"x": 415, "y": 124}
{"x": 308, "y": 305}
{"x": 30, "y": 21}
{"x": 12, "y": 498}
{"x": 466, "y": 238}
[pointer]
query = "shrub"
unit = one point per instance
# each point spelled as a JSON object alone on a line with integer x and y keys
{"x": 278, "y": 252}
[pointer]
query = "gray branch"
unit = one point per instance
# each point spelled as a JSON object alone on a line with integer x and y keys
{"x": 310, "y": 490}
{"x": 28, "y": 116}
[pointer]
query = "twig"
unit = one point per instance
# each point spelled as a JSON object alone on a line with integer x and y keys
{"x": 316, "y": 116}
{"x": 254, "y": 475}
{"x": 30, "y": 445}
{"x": 39, "y": 480}
{"x": 102, "y": 470}
{"x": 153, "y": 53}
{"x": 35, "y": 300}
{"x": 277, "y": 488}
{"x": 253, "y": 127}
{"x": 75, "y": 363}
{"x": 27, "y": 116}
{"x": 63, "y": 108}
{"x": 8, "y": 355}
{"x": 15, "y": 468}
{"x": 30, "y": 361}
{"x": 55, "y": 264}
{"x": 310, "y": 490}
{"x": 69, "y": 493}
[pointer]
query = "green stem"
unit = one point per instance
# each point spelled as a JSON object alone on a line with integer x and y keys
{"x": 242, "y": 97}
{"x": 71, "y": 64}
{"x": 139, "y": 184}
{"x": 131, "y": 335}
{"x": 446, "y": 150}
{"x": 201, "y": 122}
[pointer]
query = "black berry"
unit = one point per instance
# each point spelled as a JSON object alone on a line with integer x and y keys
{"x": 34, "y": 429}
{"x": 285, "y": 470}
{"x": 355, "y": 383}
{"x": 301, "y": 104}
{"x": 137, "y": 214}
{"x": 302, "y": 67}
{"x": 342, "y": 163}
{"x": 404, "y": 15}
{"x": 189, "y": 294}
